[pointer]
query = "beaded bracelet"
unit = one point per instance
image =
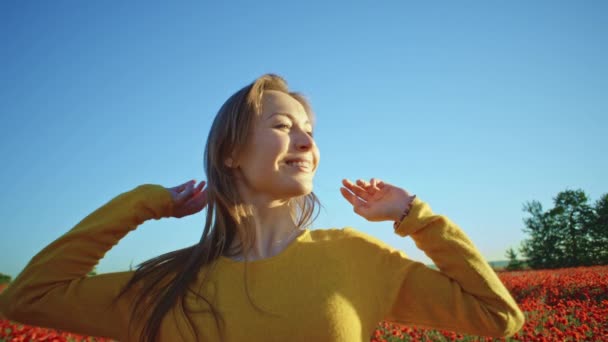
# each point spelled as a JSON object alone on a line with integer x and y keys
{"x": 405, "y": 212}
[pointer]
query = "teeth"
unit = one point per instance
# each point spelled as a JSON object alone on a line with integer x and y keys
{"x": 304, "y": 164}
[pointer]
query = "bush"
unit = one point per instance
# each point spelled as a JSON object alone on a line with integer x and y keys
{"x": 5, "y": 278}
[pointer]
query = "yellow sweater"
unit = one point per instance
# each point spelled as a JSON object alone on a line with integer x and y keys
{"x": 328, "y": 285}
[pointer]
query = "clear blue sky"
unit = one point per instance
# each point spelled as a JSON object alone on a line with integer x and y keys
{"x": 475, "y": 106}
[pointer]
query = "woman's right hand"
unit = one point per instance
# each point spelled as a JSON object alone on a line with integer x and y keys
{"x": 188, "y": 199}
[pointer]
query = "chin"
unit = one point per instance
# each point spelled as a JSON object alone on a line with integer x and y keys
{"x": 302, "y": 190}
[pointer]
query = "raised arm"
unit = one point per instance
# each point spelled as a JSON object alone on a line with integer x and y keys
{"x": 465, "y": 295}
{"x": 54, "y": 291}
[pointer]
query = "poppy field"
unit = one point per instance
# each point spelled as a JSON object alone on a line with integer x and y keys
{"x": 569, "y": 304}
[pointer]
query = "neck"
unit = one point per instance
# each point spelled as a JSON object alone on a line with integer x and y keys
{"x": 274, "y": 229}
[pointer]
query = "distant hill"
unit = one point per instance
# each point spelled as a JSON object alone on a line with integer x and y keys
{"x": 494, "y": 264}
{"x": 499, "y": 263}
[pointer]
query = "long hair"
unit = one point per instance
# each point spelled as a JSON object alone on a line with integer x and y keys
{"x": 161, "y": 282}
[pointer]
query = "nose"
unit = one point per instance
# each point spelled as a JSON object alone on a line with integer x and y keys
{"x": 304, "y": 141}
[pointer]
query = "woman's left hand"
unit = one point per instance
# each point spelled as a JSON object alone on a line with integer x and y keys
{"x": 188, "y": 198}
{"x": 375, "y": 200}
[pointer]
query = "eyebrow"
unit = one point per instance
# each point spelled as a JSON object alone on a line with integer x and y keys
{"x": 289, "y": 116}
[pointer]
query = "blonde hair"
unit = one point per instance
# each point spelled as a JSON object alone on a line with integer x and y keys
{"x": 227, "y": 216}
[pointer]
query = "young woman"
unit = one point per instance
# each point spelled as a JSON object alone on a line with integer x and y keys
{"x": 257, "y": 272}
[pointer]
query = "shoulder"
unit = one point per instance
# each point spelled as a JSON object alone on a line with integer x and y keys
{"x": 349, "y": 236}
{"x": 354, "y": 247}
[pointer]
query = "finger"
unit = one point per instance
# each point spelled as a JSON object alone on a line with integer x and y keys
{"x": 358, "y": 190}
{"x": 186, "y": 193}
{"x": 367, "y": 189}
{"x": 359, "y": 206}
{"x": 374, "y": 185}
{"x": 199, "y": 187}
{"x": 198, "y": 201}
{"x": 350, "y": 197}
{"x": 351, "y": 186}
{"x": 182, "y": 187}
{"x": 362, "y": 183}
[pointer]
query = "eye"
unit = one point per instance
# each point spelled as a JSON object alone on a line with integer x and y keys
{"x": 287, "y": 126}
{"x": 282, "y": 126}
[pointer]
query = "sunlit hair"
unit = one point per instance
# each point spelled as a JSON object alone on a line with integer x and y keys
{"x": 162, "y": 281}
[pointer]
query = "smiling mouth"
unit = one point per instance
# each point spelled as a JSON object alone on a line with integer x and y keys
{"x": 300, "y": 165}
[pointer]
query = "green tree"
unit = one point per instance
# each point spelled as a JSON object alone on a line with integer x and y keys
{"x": 573, "y": 219}
{"x": 599, "y": 232}
{"x": 572, "y": 233}
{"x": 514, "y": 264}
{"x": 539, "y": 249}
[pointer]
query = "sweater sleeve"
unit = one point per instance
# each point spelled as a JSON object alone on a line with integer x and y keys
{"x": 465, "y": 295}
{"x": 54, "y": 291}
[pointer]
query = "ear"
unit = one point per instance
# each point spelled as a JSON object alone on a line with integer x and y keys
{"x": 232, "y": 161}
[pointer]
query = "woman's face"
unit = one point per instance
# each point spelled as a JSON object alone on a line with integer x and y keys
{"x": 281, "y": 157}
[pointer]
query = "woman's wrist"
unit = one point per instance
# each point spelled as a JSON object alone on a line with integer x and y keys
{"x": 406, "y": 210}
